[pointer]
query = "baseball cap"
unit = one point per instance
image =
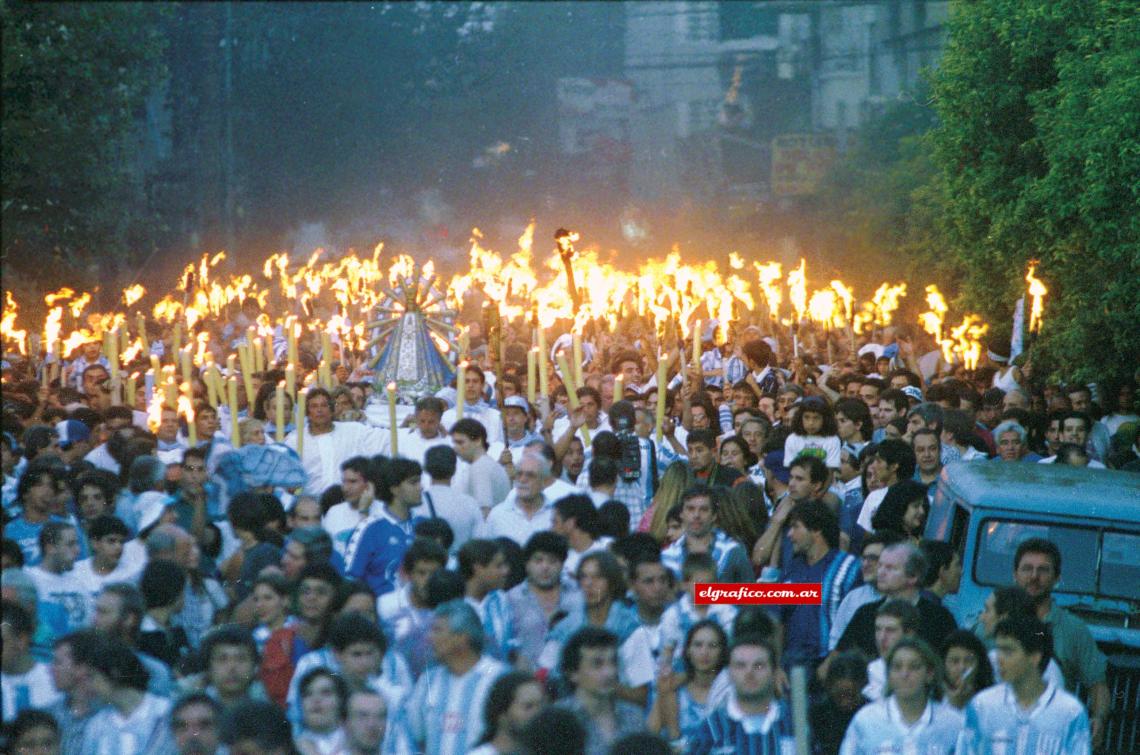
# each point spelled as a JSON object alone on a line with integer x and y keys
{"x": 913, "y": 392}
{"x": 151, "y": 505}
{"x": 71, "y": 431}
{"x": 518, "y": 402}
{"x": 774, "y": 466}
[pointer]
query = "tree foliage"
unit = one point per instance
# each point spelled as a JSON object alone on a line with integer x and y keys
{"x": 1038, "y": 147}
{"x": 74, "y": 78}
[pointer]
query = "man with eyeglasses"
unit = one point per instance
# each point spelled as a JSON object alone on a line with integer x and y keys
{"x": 873, "y": 546}
{"x": 531, "y": 510}
{"x": 196, "y": 502}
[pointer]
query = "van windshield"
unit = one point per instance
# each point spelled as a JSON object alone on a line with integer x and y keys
{"x": 1094, "y": 561}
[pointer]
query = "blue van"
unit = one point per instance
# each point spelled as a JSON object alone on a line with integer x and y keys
{"x": 985, "y": 509}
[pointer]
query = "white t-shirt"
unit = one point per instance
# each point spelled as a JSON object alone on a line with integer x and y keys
{"x": 826, "y": 447}
{"x": 460, "y": 511}
{"x": 126, "y": 571}
{"x": 68, "y": 590}
{"x": 870, "y": 506}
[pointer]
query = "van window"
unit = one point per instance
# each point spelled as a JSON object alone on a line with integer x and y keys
{"x": 1120, "y": 567}
{"x": 958, "y": 530}
{"x": 997, "y": 544}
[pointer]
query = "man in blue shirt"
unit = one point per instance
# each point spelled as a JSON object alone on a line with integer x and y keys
{"x": 36, "y": 492}
{"x": 816, "y": 559}
{"x": 377, "y": 545}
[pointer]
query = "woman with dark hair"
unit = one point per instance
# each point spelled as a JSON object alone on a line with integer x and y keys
{"x": 679, "y": 701}
{"x": 265, "y": 407}
{"x": 735, "y": 453}
{"x": 966, "y": 667}
{"x": 904, "y": 510}
{"x": 708, "y": 418}
{"x": 324, "y": 706}
{"x": 911, "y": 718}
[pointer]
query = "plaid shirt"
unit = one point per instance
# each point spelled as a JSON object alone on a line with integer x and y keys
{"x": 636, "y": 494}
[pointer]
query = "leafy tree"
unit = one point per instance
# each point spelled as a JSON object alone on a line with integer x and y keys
{"x": 75, "y": 77}
{"x": 1039, "y": 152}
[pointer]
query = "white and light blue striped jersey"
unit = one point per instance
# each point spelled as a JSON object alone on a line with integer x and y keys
{"x": 498, "y": 624}
{"x": 145, "y": 730}
{"x": 996, "y": 725}
{"x": 879, "y": 727}
{"x": 444, "y": 715}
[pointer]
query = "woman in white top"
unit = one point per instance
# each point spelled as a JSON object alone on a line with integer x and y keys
{"x": 910, "y": 719}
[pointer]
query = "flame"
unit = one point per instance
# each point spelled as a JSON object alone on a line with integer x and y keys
{"x": 63, "y": 295}
{"x": 203, "y": 339}
{"x": 8, "y": 324}
{"x": 847, "y": 296}
{"x": 932, "y": 321}
{"x": 79, "y": 305}
{"x": 185, "y": 405}
{"x": 52, "y": 328}
{"x": 797, "y": 289}
{"x": 770, "y": 275}
{"x": 526, "y": 241}
{"x": 131, "y": 352}
{"x": 886, "y": 301}
{"x": 965, "y": 341}
{"x": 1037, "y": 291}
{"x": 133, "y": 293}
{"x": 822, "y": 306}
{"x": 154, "y": 409}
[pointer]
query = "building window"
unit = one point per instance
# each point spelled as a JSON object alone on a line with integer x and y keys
{"x": 702, "y": 23}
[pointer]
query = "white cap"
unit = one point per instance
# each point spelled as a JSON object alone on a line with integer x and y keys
{"x": 151, "y": 506}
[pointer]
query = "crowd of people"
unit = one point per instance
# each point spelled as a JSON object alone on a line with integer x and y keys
{"x": 512, "y": 578}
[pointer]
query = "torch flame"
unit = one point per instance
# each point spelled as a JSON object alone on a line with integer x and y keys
{"x": 79, "y": 305}
{"x": 886, "y": 301}
{"x": 1037, "y": 291}
{"x": 8, "y": 324}
{"x": 131, "y": 294}
{"x": 154, "y": 409}
{"x": 770, "y": 275}
{"x": 797, "y": 289}
{"x": 965, "y": 341}
{"x": 847, "y": 296}
{"x": 931, "y": 321}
